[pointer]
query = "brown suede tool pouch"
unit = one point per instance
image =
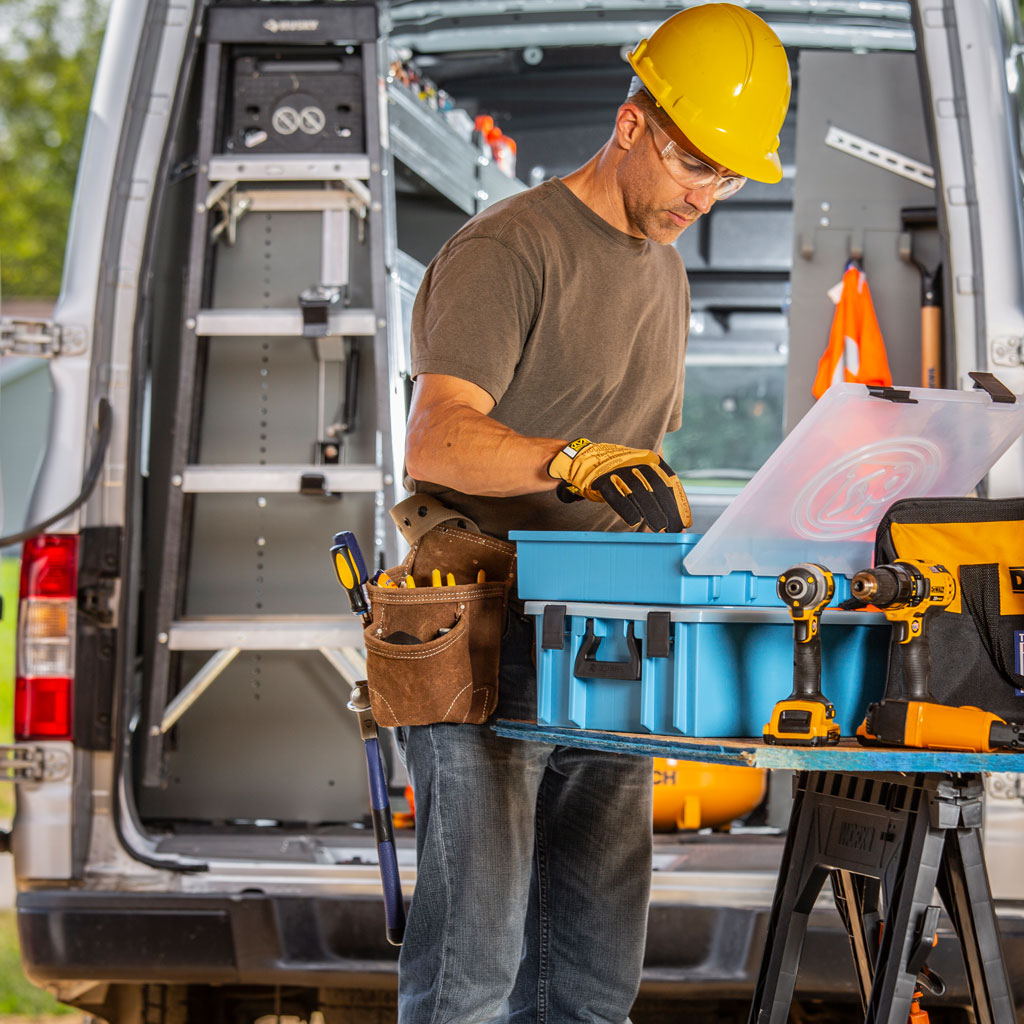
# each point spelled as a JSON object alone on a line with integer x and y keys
{"x": 432, "y": 652}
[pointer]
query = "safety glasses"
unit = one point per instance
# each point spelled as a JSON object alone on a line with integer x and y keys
{"x": 692, "y": 172}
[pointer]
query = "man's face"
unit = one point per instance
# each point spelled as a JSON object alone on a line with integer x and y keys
{"x": 660, "y": 205}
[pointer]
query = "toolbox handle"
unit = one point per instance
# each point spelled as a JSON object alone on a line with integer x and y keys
{"x": 588, "y": 667}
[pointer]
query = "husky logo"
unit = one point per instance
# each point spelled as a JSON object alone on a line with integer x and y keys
{"x": 292, "y": 25}
{"x": 1017, "y": 579}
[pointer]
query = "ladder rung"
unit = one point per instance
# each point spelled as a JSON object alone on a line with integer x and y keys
{"x": 293, "y": 200}
{"x": 290, "y": 167}
{"x": 279, "y": 323}
{"x": 289, "y": 633}
{"x": 250, "y": 479}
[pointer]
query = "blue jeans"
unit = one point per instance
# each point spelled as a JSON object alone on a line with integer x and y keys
{"x": 534, "y": 869}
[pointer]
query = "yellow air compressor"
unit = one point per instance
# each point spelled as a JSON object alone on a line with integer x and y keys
{"x": 691, "y": 795}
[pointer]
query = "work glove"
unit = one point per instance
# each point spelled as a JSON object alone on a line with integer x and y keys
{"x": 639, "y": 485}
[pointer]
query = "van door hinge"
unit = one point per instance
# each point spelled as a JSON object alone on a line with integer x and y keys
{"x": 98, "y": 601}
{"x": 22, "y": 762}
{"x": 1005, "y": 351}
{"x": 41, "y": 338}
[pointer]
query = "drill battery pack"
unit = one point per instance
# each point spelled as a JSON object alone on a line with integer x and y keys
{"x": 977, "y": 642}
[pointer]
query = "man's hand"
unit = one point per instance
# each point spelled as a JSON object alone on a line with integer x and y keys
{"x": 638, "y": 484}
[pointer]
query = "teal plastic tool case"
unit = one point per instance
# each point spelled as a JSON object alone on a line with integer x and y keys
{"x": 686, "y": 635}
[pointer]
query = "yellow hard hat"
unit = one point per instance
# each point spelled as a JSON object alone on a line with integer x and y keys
{"x": 722, "y": 76}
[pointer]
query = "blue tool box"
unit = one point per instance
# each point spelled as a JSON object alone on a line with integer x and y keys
{"x": 629, "y": 641}
{"x": 632, "y": 568}
{"x": 697, "y": 671}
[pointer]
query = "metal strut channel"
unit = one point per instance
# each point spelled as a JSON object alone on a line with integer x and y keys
{"x": 887, "y": 159}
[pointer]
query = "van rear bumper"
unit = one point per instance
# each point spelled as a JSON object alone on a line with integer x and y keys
{"x": 693, "y": 952}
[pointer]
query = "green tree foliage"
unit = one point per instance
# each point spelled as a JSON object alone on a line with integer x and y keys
{"x": 48, "y": 54}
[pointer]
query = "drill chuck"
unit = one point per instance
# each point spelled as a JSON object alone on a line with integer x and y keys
{"x": 882, "y": 586}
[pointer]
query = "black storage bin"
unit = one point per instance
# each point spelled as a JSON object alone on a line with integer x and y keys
{"x": 297, "y": 104}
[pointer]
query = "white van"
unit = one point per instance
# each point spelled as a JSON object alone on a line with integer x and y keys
{"x": 260, "y": 189}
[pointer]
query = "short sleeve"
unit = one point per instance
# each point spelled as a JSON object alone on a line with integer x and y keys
{"x": 676, "y": 419}
{"x": 473, "y": 313}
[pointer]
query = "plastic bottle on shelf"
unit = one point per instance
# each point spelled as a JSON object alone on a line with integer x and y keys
{"x": 503, "y": 150}
{"x": 482, "y": 124}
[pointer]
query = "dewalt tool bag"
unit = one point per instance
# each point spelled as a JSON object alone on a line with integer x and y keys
{"x": 432, "y": 652}
{"x": 976, "y": 643}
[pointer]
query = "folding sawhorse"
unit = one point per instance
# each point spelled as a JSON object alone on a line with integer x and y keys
{"x": 901, "y": 836}
{"x": 889, "y": 827}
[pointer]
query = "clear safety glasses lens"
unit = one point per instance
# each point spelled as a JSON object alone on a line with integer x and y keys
{"x": 690, "y": 171}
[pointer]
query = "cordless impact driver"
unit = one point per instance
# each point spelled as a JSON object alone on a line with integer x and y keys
{"x": 910, "y": 592}
{"x": 806, "y": 717}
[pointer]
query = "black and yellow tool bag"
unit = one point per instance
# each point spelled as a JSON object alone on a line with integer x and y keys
{"x": 977, "y": 643}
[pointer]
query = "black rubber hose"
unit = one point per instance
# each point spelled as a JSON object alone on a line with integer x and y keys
{"x": 92, "y": 474}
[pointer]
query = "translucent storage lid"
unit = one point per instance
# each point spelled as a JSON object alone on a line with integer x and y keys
{"x": 822, "y": 492}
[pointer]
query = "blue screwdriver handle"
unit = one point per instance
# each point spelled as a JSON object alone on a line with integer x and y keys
{"x": 394, "y": 907}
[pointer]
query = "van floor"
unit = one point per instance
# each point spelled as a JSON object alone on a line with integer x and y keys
{"x": 758, "y": 849}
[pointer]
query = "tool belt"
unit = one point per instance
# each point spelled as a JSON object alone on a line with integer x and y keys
{"x": 974, "y": 642}
{"x": 432, "y": 652}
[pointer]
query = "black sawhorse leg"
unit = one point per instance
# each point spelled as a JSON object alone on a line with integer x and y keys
{"x": 887, "y": 842}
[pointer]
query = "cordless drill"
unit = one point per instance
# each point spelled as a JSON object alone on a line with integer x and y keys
{"x": 806, "y": 717}
{"x": 910, "y": 592}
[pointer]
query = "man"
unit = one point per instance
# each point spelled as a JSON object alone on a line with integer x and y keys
{"x": 557, "y": 316}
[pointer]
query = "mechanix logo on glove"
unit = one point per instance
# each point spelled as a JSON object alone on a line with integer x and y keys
{"x": 638, "y": 484}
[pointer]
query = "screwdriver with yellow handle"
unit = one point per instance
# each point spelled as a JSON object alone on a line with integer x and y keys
{"x": 351, "y": 572}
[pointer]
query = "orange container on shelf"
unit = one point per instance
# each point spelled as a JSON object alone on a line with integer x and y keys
{"x": 692, "y": 795}
{"x": 503, "y": 149}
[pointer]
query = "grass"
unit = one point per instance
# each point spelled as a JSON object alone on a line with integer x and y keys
{"x": 9, "y": 593}
{"x": 17, "y": 994}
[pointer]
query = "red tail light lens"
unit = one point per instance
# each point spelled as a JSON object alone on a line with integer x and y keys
{"x": 46, "y": 637}
{"x": 49, "y": 566}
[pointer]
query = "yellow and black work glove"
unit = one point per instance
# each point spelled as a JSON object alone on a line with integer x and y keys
{"x": 639, "y": 485}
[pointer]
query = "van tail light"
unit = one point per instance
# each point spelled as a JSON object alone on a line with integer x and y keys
{"x": 46, "y": 637}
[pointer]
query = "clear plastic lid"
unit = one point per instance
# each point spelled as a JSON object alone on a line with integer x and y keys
{"x": 822, "y": 492}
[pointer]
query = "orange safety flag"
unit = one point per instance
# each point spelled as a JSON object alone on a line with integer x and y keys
{"x": 856, "y": 351}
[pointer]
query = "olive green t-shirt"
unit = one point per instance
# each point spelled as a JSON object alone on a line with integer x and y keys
{"x": 573, "y": 327}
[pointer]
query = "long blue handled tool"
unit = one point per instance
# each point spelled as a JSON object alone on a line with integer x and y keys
{"x": 380, "y": 809}
{"x": 351, "y": 572}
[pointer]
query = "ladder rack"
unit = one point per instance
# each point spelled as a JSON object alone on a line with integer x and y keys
{"x": 288, "y": 386}
{"x": 236, "y": 331}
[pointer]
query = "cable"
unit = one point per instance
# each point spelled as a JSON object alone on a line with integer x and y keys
{"x": 92, "y": 474}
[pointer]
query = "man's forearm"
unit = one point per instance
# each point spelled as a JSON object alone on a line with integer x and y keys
{"x": 458, "y": 447}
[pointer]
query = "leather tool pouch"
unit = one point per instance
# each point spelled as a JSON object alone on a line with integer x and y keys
{"x": 974, "y": 643}
{"x": 432, "y": 653}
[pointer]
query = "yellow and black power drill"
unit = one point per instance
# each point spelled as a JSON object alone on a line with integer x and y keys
{"x": 806, "y": 717}
{"x": 910, "y": 592}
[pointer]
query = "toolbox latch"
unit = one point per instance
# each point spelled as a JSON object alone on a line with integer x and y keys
{"x": 659, "y": 634}
{"x": 891, "y": 394}
{"x": 990, "y": 383}
{"x": 552, "y": 630}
